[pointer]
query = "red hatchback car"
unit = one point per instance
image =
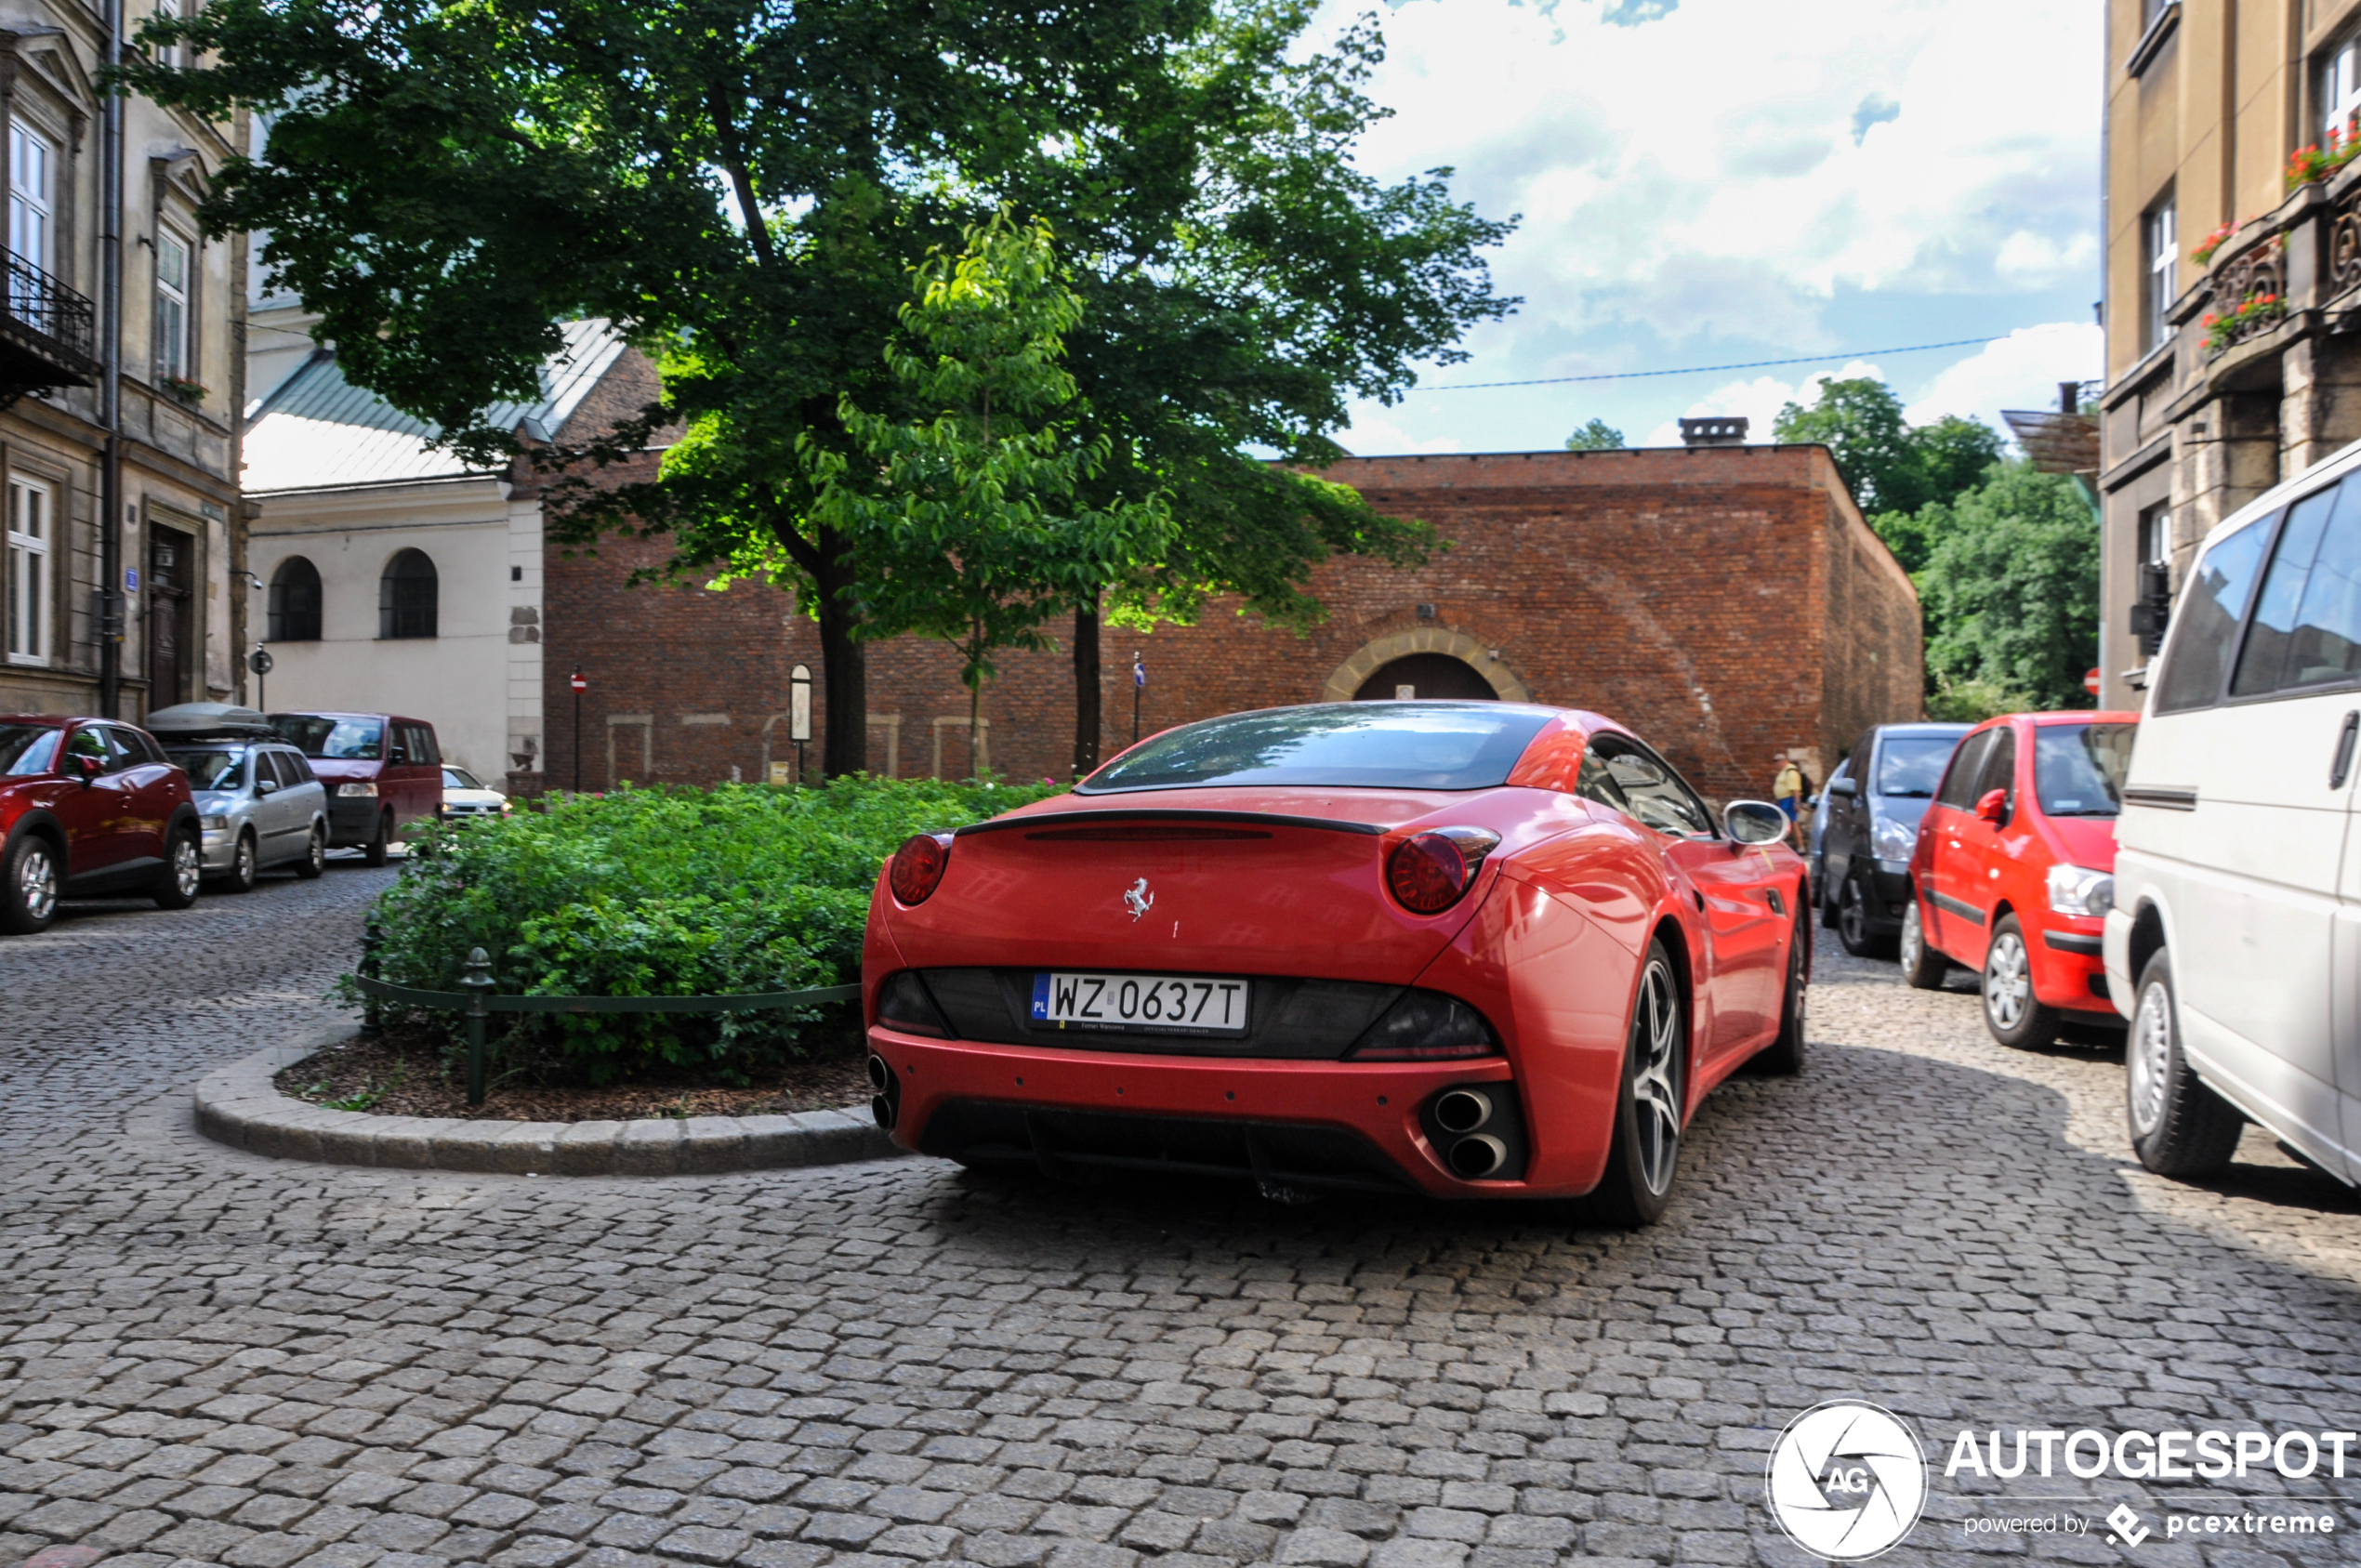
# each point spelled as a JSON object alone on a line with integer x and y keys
{"x": 2014, "y": 870}
{"x": 1464, "y": 949}
{"x": 89, "y": 807}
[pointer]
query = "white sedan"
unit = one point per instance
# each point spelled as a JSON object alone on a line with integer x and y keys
{"x": 464, "y": 795}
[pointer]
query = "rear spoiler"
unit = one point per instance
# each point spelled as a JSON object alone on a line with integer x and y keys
{"x": 1165, "y": 814}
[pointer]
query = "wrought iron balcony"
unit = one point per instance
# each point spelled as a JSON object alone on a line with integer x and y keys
{"x": 48, "y": 332}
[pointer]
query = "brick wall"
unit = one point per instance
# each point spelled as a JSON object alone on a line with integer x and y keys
{"x": 1721, "y": 601}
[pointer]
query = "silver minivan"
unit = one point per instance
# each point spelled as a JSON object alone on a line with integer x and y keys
{"x": 2235, "y": 942}
{"x": 258, "y": 803}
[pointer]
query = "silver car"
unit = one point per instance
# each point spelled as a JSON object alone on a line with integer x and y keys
{"x": 259, "y": 805}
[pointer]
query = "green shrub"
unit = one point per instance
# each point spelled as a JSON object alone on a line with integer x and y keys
{"x": 661, "y": 892}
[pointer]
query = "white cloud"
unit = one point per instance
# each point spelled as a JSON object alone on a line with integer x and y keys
{"x": 2020, "y": 371}
{"x": 1375, "y": 434}
{"x": 1760, "y": 400}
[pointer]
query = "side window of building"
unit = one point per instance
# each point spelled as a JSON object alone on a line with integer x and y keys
{"x": 2204, "y": 624}
{"x": 2340, "y": 91}
{"x": 30, "y": 565}
{"x": 33, "y": 163}
{"x": 407, "y": 596}
{"x": 1959, "y": 780}
{"x": 173, "y": 280}
{"x": 2306, "y": 628}
{"x": 2162, "y": 228}
{"x": 295, "y": 601}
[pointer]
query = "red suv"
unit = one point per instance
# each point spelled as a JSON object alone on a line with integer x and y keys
{"x": 88, "y": 806}
{"x": 2014, "y": 870}
{"x": 383, "y": 772}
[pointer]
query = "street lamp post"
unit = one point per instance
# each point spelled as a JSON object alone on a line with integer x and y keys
{"x": 580, "y": 686}
{"x": 260, "y": 661}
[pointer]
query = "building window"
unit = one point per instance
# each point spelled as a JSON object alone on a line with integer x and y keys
{"x": 172, "y": 306}
{"x": 295, "y": 601}
{"x": 29, "y": 585}
{"x": 2163, "y": 239}
{"x": 2341, "y": 90}
{"x": 32, "y": 193}
{"x": 406, "y": 597}
{"x": 2155, "y": 535}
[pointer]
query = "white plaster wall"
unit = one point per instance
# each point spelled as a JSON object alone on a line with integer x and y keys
{"x": 459, "y": 680}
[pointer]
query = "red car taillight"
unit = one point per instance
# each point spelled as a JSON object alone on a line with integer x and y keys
{"x": 917, "y": 867}
{"x": 1428, "y": 873}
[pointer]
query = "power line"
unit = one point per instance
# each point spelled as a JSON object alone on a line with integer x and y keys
{"x": 1702, "y": 369}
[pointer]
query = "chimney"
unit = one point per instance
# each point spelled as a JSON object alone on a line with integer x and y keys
{"x": 2069, "y": 397}
{"x": 1717, "y": 430}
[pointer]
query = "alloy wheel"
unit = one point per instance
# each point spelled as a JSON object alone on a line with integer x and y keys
{"x": 1656, "y": 1096}
{"x": 36, "y": 883}
{"x": 1913, "y": 935}
{"x": 2008, "y": 981}
{"x": 1852, "y": 918}
{"x": 244, "y": 870}
{"x": 186, "y": 872}
{"x": 2148, "y": 1059}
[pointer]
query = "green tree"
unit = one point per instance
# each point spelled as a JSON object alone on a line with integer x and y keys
{"x": 742, "y": 187}
{"x": 2010, "y": 588}
{"x": 1597, "y": 436}
{"x": 969, "y": 506}
{"x": 1895, "y": 469}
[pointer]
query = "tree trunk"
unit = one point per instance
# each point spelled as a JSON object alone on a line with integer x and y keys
{"x": 1086, "y": 714}
{"x": 844, "y": 665}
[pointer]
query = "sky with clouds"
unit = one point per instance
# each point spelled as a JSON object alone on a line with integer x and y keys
{"x": 1714, "y": 181}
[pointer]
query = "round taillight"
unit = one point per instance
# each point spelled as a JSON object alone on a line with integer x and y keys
{"x": 1427, "y": 873}
{"x": 919, "y": 866}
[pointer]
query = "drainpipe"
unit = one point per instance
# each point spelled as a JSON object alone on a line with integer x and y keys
{"x": 111, "y": 594}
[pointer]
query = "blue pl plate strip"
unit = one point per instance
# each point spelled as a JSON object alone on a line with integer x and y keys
{"x": 1041, "y": 994}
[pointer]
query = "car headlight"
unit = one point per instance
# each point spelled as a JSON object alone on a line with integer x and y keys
{"x": 1893, "y": 839}
{"x": 356, "y": 788}
{"x": 215, "y": 824}
{"x": 2077, "y": 889}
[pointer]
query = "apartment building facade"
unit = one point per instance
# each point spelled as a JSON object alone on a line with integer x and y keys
{"x": 2233, "y": 280}
{"x": 122, "y": 368}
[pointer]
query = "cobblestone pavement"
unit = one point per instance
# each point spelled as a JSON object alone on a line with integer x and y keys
{"x": 210, "y": 1357}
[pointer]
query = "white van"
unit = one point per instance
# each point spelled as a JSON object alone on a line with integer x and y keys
{"x": 2235, "y": 943}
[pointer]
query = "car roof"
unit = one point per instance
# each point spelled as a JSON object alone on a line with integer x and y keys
{"x": 1924, "y": 727}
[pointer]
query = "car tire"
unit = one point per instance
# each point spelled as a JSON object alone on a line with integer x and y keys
{"x": 1922, "y": 967}
{"x": 1783, "y": 1058}
{"x": 31, "y": 883}
{"x": 315, "y": 855}
{"x": 2011, "y": 1011}
{"x": 243, "y": 867}
{"x": 1646, "y": 1155}
{"x": 375, "y": 850}
{"x": 2179, "y": 1126}
{"x": 183, "y": 873}
{"x": 1852, "y": 922}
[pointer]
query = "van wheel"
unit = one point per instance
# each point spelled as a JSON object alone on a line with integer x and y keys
{"x": 30, "y": 882}
{"x": 2179, "y": 1126}
{"x": 183, "y": 871}
{"x": 375, "y": 850}
{"x": 1922, "y": 967}
{"x": 2011, "y": 1011}
{"x": 315, "y": 855}
{"x": 242, "y": 866}
{"x": 1852, "y": 922}
{"x": 1646, "y": 1153}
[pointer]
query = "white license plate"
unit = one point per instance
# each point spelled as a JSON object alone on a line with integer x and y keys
{"x": 1170, "y": 1004}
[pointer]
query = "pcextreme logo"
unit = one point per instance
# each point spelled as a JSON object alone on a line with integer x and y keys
{"x": 1846, "y": 1480}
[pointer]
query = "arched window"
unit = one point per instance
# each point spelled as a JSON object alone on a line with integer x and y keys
{"x": 406, "y": 596}
{"x": 1430, "y": 676}
{"x": 295, "y": 601}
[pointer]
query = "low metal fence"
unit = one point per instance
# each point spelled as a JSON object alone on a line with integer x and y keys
{"x": 480, "y": 1000}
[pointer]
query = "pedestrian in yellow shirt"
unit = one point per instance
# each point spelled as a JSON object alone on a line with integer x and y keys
{"x": 1787, "y": 790}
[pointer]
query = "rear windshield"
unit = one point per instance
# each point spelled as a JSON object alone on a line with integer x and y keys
{"x": 26, "y": 749}
{"x": 1374, "y": 745}
{"x": 2079, "y": 768}
{"x": 1911, "y": 766}
{"x": 351, "y": 740}
{"x": 211, "y": 767}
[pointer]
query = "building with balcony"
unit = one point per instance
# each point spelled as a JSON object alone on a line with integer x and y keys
{"x": 2233, "y": 282}
{"x": 121, "y": 567}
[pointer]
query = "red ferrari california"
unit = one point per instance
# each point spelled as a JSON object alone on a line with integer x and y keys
{"x": 1465, "y": 949}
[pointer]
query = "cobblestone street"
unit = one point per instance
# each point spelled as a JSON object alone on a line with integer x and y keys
{"x": 210, "y": 1356}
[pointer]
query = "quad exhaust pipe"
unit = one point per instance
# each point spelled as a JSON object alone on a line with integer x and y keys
{"x": 1462, "y": 1109}
{"x": 886, "y": 1101}
{"x": 1460, "y": 1116}
{"x": 1476, "y": 1157}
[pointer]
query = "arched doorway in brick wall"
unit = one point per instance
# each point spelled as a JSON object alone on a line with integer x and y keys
{"x": 1427, "y": 652}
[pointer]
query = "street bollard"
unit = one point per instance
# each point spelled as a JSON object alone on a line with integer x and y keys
{"x": 478, "y": 981}
{"x": 372, "y": 1022}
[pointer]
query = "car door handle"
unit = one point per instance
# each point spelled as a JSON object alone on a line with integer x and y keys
{"x": 2342, "y": 768}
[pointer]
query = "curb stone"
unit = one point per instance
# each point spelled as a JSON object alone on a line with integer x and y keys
{"x": 238, "y": 1106}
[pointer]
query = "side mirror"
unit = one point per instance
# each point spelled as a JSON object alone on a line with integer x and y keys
{"x": 266, "y": 787}
{"x": 1845, "y": 787}
{"x": 85, "y": 768}
{"x": 1754, "y": 822}
{"x": 1993, "y": 806}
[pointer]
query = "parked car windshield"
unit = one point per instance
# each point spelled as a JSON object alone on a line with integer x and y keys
{"x": 1911, "y": 766}
{"x": 458, "y": 778}
{"x": 27, "y": 749}
{"x": 1376, "y": 746}
{"x": 350, "y": 740}
{"x": 212, "y": 767}
{"x": 2079, "y": 768}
